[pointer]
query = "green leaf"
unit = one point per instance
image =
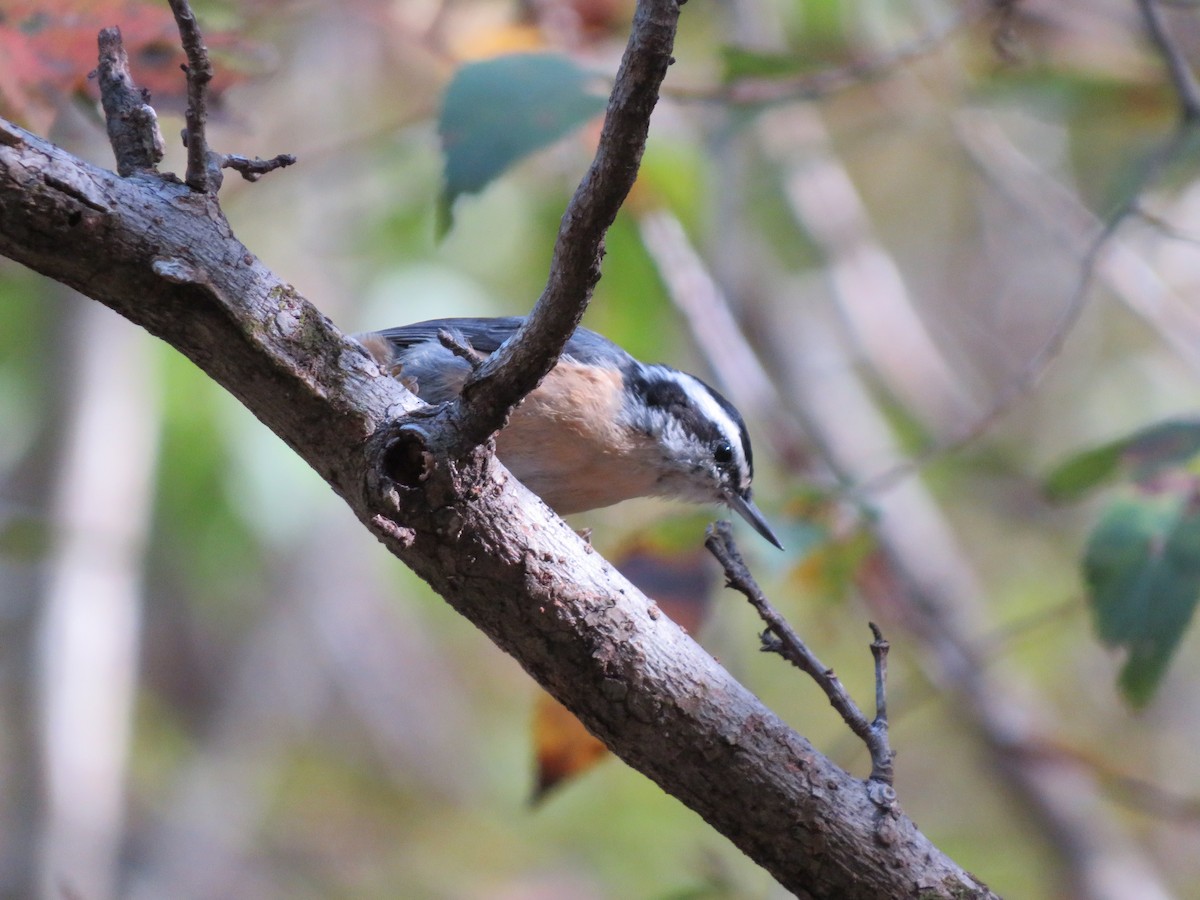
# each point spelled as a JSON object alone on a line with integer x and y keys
{"x": 1142, "y": 569}
{"x": 1144, "y": 454}
{"x": 738, "y": 63}
{"x": 500, "y": 110}
{"x": 1073, "y": 478}
{"x": 1170, "y": 443}
{"x": 24, "y": 539}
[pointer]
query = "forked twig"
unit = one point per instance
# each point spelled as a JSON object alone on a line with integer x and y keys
{"x": 203, "y": 164}
{"x": 1178, "y": 67}
{"x": 782, "y": 639}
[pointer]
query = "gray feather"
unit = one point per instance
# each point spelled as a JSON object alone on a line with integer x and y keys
{"x": 485, "y": 335}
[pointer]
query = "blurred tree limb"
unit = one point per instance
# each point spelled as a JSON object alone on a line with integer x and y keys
{"x": 162, "y": 254}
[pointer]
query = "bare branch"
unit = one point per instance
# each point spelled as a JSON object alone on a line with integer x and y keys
{"x": 522, "y": 361}
{"x": 132, "y": 124}
{"x": 879, "y": 649}
{"x": 782, "y": 639}
{"x": 203, "y": 171}
{"x": 254, "y": 169}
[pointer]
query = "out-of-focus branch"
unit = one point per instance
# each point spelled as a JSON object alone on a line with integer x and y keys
{"x": 870, "y": 290}
{"x": 1059, "y": 212}
{"x": 716, "y": 332}
{"x": 1102, "y": 256}
{"x": 1180, "y": 70}
{"x": 1095, "y": 248}
{"x": 91, "y": 612}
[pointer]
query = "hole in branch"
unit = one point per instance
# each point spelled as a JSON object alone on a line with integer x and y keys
{"x": 406, "y": 461}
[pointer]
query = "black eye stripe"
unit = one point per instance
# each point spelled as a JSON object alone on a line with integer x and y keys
{"x": 660, "y": 388}
{"x": 667, "y": 395}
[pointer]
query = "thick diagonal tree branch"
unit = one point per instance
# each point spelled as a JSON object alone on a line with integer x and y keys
{"x": 163, "y": 256}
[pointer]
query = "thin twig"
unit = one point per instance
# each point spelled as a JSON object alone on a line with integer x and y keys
{"x": 254, "y": 169}
{"x": 882, "y": 765}
{"x": 782, "y": 639}
{"x": 879, "y": 649}
{"x": 522, "y": 361}
{"x": 461, "y": 349}
{"x": 203, "y": 173}
{"x": 132, "y": 124}
{"x": 1178, "y": 66}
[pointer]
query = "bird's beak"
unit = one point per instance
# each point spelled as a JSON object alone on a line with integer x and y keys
{"x": 745, "y": 508}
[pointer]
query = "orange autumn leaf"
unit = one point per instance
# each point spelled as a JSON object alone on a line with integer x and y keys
{"x": 563, "y": 748}
{"x": 681, "y": 584}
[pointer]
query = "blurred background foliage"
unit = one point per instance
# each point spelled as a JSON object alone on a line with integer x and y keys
{"x": 213, "y": 683}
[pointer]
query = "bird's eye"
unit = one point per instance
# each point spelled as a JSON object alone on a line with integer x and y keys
{"x": 723, "y": 453}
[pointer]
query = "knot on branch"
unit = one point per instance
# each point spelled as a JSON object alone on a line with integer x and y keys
{"x": 406, "y": 459}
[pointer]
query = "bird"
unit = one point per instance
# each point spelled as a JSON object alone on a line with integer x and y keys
{"x": 601, "y": 428}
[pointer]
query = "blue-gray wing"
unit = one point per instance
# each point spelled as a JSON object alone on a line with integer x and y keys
{"x": 415, "y": 355}
{"x": 485, "y": 335}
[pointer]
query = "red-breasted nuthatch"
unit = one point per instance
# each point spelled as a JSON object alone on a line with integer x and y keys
{"x": 601, "y": 428}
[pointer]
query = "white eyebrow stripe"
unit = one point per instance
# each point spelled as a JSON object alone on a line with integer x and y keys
{"x": 700, "y": 394}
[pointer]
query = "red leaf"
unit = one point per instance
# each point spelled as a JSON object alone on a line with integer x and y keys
{"x": 48, "y": 48}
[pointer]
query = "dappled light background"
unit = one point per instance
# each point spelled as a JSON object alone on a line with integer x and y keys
{"x": 873, "y": 225}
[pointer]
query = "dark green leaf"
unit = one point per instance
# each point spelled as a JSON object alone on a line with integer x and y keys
{"x": 1170, "y": 443}
{"x": 739, "y": 63}
{"x": 1084, "y": 471}
{"x": 1142, "y": 569}
{"x": 24, "y": 539}
{"x": 498, "y": 111}
{"x": 1144, "y": 454}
